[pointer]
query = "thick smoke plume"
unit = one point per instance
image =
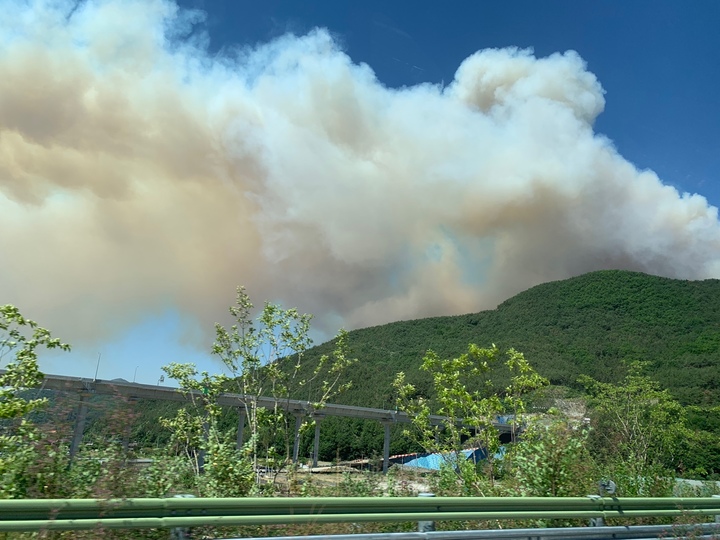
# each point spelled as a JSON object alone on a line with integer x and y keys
{"x": 138, "y": 174}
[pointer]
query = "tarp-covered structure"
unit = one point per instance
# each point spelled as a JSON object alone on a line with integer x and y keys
{"x": 435, "y": 461}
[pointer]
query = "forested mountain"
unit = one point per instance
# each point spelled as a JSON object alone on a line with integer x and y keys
{"x": 583, "y": 325}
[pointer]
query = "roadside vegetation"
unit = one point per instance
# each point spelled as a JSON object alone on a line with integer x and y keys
{"x": 627, "y": 428}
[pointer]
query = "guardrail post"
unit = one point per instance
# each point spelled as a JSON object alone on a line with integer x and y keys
{"x": 717, "y": 517}
{"x": 599, "y": 521}
{"x": 426, "y": 526}
{"x": 181, "y": 533}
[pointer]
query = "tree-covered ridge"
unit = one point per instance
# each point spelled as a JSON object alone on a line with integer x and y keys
{"x": 623, "y": 425}
{"x": 591, "y": 325}
{"x": 580, "y": 326}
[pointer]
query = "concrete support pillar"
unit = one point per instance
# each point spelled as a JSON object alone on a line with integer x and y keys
{"x": 201, "y": 453}
{"x": 242, "y": 414}
{"x": 128, "y": 427}
{"x": 316, "y": 445}
{"x": 386, "y": 447}
{"x": 79, "y": 426}
{"x": 296, "y": 439}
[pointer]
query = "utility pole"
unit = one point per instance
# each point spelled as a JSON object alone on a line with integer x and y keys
{"x": 97, "y": 367}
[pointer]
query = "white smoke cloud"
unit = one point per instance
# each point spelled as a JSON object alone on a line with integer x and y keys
{"x": 139, "y": 173}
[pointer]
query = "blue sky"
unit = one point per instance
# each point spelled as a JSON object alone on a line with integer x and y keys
{"x": 657, "y": 62}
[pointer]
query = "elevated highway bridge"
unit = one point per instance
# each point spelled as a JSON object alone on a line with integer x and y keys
{"x": 299, "y": 409}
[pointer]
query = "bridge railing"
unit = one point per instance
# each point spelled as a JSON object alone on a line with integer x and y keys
{"x": 79, "y": 514}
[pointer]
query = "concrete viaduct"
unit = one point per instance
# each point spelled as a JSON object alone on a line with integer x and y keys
{"x": 300, "y": 409}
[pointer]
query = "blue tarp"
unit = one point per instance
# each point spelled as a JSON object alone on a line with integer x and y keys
{"x": 434, "y": 461}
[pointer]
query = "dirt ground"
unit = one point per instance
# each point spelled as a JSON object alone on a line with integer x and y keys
{"x": 343, "y": 480}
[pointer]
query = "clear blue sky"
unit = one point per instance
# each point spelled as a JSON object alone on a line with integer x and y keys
{"x": 658, "y": 61}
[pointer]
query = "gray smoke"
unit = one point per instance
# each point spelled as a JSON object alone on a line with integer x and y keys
{"x": 139, "y": 174}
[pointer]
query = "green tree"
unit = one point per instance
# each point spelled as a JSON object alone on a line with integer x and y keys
{"x": 20, "y": 340}
{"x": 464, "y": 396}
{"x": 701, "y": 453}
{"x": 250, "y": 349}
{"x": 196, "y": 434}
{"x": 639, "y": 430}
{"x": 264, "y": 357}
{"x": 553, "y": 460}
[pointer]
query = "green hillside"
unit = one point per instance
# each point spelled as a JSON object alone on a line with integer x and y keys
{"x": 582, "y": 325}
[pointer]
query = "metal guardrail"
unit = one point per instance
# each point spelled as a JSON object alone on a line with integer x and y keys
{"x": 79, "y": 514}
{"x": 639, "y": 532}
